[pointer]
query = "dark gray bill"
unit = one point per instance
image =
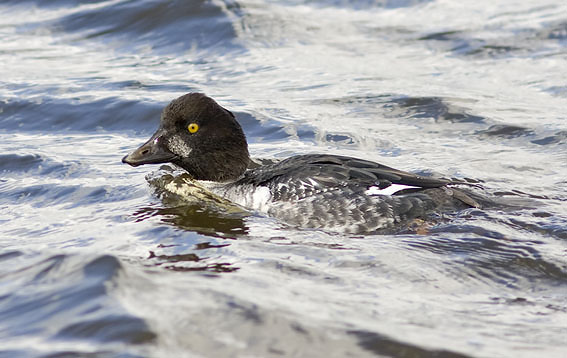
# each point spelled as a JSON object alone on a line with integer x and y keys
{"x": 151, "y": 152}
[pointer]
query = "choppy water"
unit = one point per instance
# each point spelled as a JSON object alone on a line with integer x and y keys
{"x": 94, "y": 263}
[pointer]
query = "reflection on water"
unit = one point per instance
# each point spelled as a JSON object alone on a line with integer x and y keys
{"x": 198, "y": 218}
{"x": 378, "y": 344}
{"x": 174, "y": 262}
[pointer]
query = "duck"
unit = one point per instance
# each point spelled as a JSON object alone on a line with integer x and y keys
{"x": 314, "y": 191}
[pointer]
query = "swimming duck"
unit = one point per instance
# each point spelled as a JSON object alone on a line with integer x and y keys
{"x": 323, "y": 191}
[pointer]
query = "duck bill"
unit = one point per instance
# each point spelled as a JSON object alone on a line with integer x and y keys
{"x": 153, "y": 151}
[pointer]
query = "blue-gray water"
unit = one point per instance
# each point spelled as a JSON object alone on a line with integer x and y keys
{"x": 94, "y": 262}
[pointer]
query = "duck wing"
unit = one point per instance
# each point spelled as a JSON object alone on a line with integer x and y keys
{"x": 300, "y": 175}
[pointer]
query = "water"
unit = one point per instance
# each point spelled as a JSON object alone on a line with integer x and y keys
{"x": 96, "y": 261}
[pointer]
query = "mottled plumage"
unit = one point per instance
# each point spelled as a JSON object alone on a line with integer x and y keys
{"x": 330, "y": 192}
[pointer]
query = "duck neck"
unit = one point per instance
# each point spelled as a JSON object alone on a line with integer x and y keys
{"x": 218, "y": 166}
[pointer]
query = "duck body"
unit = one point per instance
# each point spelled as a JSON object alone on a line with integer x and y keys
{"x": 331, "y": 192}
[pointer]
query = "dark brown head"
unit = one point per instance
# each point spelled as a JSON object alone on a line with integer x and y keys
{"x": 200, "y": 136}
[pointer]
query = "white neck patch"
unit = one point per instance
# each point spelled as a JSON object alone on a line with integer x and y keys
{"x": 177, "y": 146}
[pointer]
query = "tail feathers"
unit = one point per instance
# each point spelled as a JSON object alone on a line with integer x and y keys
{"x": 450, "y": 198}
{"x": 463, "y": 197}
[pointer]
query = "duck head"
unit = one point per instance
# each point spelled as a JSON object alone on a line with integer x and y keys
{"x": 200, "y": 136}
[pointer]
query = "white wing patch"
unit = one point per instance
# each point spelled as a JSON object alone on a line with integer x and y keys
{"x": 392, "y": 189}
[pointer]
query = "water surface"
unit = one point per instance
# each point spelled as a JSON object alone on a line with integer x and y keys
{"x": 95, "y": 261}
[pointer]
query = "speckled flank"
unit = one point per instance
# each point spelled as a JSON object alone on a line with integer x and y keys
{"x": 342, "y": 209}
{"x": 177, "y": 146}
{"x": 336, "y": 209}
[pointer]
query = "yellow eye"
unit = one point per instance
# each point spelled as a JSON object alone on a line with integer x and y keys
{"x": 193, "y": 128}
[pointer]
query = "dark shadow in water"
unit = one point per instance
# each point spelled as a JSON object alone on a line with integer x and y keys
{"x": 94, "y": 354}
{"x": 199, "y": 218}
{"x": 367, "y": 4}
{"x": 398, "y": 106}
{"x": 67, "y": 298}
{"x": 191, "y": 261}
{"x": 505, "y": 131}
{"x": 112, "y": 328}
{"x": 432, "y": 107}
{"x": 10, "y": 255}
{"x": 172, "y": 26}
{"x": 204, "y": 217}
{"x": 458, "y": 43}
{"x": 50, "y": 3}
{"x": 20, "y": 163}
{"x": 444, "y": 111}
{"x": 189, "y": 206}
{"x": 387, "y": 347}
{"x": 512, "y": 263}
{"x": 522, "y": 42}
{"x": 56, "y": 115}
{"x": 169, "y": 26}
{"x": 260, "y": 129}
{"x": 557, "y": 138}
